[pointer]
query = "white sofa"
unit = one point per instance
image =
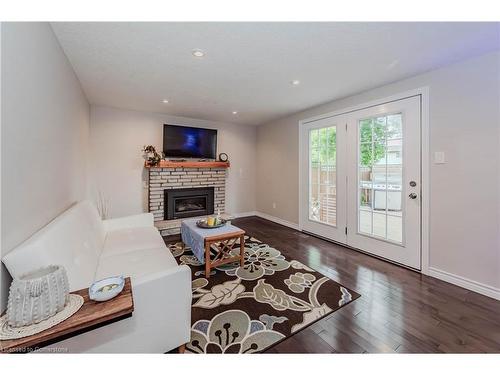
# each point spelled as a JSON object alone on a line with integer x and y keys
{"x": 91, "y": 249}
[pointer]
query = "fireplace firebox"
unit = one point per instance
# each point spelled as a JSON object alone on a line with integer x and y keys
{"x": 182, "y": 203}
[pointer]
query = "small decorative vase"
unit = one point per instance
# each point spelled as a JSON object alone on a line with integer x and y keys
{"x": 37, "y": 296}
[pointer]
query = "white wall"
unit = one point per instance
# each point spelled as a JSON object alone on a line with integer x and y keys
{"x": 45, "y": 128}
{"x": 117, "y": 168}
{"x": 464, "y": 196}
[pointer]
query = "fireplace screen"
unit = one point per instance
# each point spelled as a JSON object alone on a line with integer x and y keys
{"x": 181, "y": 203}
{"x": 190, "y": 204}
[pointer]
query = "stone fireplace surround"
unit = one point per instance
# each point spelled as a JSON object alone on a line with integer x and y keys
{"x": 178, "y": 175}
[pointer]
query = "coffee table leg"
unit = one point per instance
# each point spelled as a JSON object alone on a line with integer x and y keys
{"x": 207, "y": 259}
{"x": 242, "y": 250}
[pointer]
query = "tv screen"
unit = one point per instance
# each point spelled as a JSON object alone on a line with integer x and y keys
{"x": 188, "y": 142}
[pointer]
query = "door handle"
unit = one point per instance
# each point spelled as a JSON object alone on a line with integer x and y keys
{"x": 412, "y": 196}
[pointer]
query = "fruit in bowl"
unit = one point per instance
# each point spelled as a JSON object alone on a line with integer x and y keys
{"x": 211, "y": 222}
{"x": 106, "y": 289}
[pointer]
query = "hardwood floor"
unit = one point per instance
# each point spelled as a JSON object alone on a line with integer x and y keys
{"x": 399, "y": 310}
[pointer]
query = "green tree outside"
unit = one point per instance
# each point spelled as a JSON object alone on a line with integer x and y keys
{"x": 372, "y": 130}
{"x": 372, "y": 141}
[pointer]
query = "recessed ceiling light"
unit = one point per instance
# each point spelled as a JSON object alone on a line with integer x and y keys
{"x": 165, "y": 101}
{"x": 235, "y": 112}
{"x": 198, "y": 53}
{"x": 295, "y": 82}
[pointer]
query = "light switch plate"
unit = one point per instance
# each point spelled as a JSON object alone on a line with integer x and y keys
{"x": 439, "y": 157}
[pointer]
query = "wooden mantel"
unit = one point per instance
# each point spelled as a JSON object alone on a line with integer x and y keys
{"x": 189, "y": 164}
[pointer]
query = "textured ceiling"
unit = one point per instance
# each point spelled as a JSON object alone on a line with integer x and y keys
{"x": 248, "y": 66}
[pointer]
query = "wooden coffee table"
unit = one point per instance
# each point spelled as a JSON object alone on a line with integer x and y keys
{"x": 223, "y": 244}
{"x": 223, "y": 240}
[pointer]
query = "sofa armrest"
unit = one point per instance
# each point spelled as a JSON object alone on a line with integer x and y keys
{"x": 161, "y": 320}
{"x": 133, "y": 221}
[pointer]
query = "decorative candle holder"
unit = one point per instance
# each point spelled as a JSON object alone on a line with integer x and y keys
{"x": 37, "y": 296}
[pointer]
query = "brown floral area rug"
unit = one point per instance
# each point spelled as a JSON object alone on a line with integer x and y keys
{"x": 248, "y": 309}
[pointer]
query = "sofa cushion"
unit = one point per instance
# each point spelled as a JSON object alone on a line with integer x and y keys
{"x": 136, "y": 264}
{"x": 122, "y": 241}
{"x": 74, "y": 240}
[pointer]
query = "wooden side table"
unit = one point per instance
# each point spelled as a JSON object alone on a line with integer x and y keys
{"x": 91, "y": 315}
{"x": 223, "y": 244}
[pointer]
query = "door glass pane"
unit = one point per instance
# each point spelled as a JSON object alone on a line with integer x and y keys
{"x": 323, "y": 175}
{"x": 380, "y": 174}
{"x": 378, "y": 224}
{"x": 394, "y": 225}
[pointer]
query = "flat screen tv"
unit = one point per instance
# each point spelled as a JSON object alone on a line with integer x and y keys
{"x": 188, "y": 142}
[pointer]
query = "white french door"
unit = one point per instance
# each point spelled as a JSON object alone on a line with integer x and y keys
{"x": 360, "y": 180}
{"x": 324, "y": 142}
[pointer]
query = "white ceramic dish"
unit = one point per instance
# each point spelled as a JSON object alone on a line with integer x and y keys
{"x": 105, "y": 289}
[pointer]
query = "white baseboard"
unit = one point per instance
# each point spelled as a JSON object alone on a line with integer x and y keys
{"x": 466, "y": 283}
{"x": 275, "y": 219}
{"x": 245, "y": 214}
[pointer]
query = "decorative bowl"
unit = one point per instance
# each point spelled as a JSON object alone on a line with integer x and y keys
{"x": 105, "y": 289}
{"x": 203, "y": 224}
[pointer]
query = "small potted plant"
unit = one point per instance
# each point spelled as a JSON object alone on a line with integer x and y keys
{"x": 150, "y": 155}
